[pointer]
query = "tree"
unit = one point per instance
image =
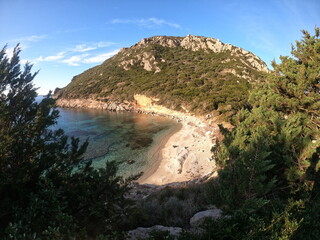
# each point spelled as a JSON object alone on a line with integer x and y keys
{"x": 293, "y": 91}
{"x": 268, "y": 160}
{"x": 47, "y": 191}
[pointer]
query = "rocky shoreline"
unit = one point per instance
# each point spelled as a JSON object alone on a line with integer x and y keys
{"x": 94, "y": 104}
{"x": 126, "y": 106}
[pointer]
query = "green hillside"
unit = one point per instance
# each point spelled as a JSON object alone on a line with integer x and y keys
{"x": 196, "y": 73}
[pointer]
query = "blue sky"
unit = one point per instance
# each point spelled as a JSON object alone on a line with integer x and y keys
{"x": 63, "y": 38}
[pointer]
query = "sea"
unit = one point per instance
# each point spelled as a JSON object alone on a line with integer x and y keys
{"x": 123, "y": 137}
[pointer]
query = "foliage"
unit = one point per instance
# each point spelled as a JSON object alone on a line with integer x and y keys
{"x": 266, "y": 154}
{"x": 173, "y": 206}
{"x": 46, "y": 190}
{"x": 270, "y": 161}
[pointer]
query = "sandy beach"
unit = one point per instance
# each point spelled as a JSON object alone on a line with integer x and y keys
{"x": 184, "y": 155}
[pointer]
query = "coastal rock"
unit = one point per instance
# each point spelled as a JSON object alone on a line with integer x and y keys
{"x": 95, "y": 104}
{"x": 200, "y": 217}
{"x": 145, "y": 233}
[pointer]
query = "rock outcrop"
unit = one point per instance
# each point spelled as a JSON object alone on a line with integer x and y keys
{"x": 197, "y": 43}
{"x": 195, "y": 223}
{"x": 146, "y": 60}
{"x": 200, "y": 217}
{"x": 96, "y": 104}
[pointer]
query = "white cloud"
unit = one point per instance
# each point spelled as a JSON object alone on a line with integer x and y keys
{"x": 90, "y": 54}
{"x": 24, "y": 43}
{"x": 85, "y": 47}
{"x": 104, "y": 44}
{"x": 75, "y": 60}
{"x": 86, "y": 58}
{"x": 27, "y": 39}
{"x": 33, "y": 38}
{"x": 101, "y": 57}
{"x": 160, "y": 22}
{"x": 52, "y": 58}
{"x": 148, "y": 23}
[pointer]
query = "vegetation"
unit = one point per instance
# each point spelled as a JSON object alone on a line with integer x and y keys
{"x": 46, "y": 190}
{"x": 174, "y": 206}
{"x": 269, "y": 178}
{"x": 200, "y": 81}
{"x": 269, "y": 164}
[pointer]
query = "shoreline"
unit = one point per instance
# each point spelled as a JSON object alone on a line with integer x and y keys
{"x": 184, "y": 155}
{"x": 156, "y": 153}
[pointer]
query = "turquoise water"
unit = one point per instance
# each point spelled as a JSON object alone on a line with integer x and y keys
{"x": 122, "y": 137}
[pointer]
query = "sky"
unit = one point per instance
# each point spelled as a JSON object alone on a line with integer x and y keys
{"x": 63, "y": 38}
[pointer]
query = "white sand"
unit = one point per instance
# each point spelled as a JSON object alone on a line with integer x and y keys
{"x": 185, "y": 156}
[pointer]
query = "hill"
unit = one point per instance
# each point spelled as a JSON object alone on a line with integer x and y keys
{"x": 192, "y": 73}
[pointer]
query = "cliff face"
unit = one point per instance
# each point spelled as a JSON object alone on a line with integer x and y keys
{"x": 191, "y": 73}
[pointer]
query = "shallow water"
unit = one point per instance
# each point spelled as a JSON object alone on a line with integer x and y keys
{"x": 122, "y": 137}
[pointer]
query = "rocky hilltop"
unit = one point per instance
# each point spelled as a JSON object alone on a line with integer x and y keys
{"x": 194, "y": 43}
{"x": 190, "y": 74}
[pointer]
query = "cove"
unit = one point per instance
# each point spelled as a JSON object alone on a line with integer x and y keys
{"x": 124, "y": 137}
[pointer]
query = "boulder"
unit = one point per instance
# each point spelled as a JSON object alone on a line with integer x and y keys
{"x": 200, "y": 217}
{"x": 112, "y": 106}
{"x": 144, "y": 233}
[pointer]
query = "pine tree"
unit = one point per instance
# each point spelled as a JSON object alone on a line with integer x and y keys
{"x": 294, "y": 85}
{"x": 269, "y": 159}
{"x": 293, "y": 90}
{"x": 46, "y": 190}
